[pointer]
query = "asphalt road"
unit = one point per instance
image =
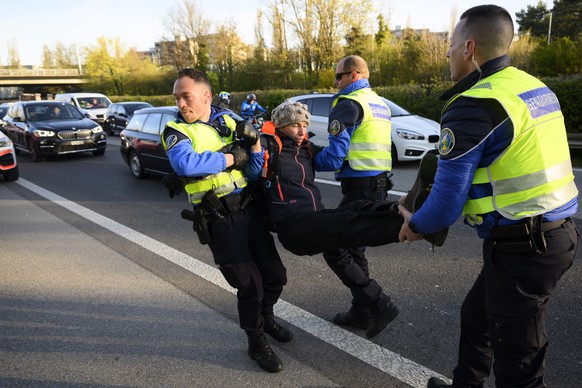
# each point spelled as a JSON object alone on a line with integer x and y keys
{"x": 98, "y": 213}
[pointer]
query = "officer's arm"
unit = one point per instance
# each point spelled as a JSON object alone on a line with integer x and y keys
{"x": 187, "y": 162}
{"x": 471, "y": 127}
{"x": 342, "y": 121}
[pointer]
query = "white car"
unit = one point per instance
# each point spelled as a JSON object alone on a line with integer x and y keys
{"x": 412, "y": 136}
{"x": 8, "y": 166}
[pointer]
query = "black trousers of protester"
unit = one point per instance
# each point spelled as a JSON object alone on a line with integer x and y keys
{"x": 245, "y": 253}
{"x": 502, "y": 317}
{"x": 359, "y": 223}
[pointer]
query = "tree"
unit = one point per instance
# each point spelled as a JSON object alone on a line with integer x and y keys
{"x": 114, "y": 70}
{"x": 533, "y": 20}
{"x": 13, "y": 56}
{"x": 188, "y": 30}
{"x": 567, "y": 18}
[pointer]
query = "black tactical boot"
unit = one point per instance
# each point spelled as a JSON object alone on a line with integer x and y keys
{"x": 261, "y": 352}
{"x": 385, "y": 314}
{"x": 419, "y": 193}
{"x": 278, "y": 332}
{"x": 351, "y": 318}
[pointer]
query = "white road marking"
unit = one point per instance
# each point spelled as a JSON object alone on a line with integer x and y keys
{"x": 373, "y": 354}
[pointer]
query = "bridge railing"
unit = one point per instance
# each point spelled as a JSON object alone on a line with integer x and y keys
{"x": 39, "y": 72}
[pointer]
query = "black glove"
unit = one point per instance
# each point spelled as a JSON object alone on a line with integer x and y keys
{"x": 173, "y": 183}
{"x": 246, "y": 133}
{"x": 241, "y": 156}
{"x": 315, "y": 149}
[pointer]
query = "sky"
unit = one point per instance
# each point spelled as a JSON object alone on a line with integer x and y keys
{"x": 29, "y": 25}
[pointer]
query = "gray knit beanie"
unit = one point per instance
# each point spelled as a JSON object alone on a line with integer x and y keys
{"x": 290, "y": 113}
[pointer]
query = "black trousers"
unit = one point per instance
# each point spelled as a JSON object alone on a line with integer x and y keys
{"x": 247, "y": 257}
{"x": 359, "y": 223}
{"x": 503, "y": 315}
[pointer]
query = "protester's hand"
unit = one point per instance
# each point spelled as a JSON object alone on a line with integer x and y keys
{"x": 246, "y": 133}
{"x": 406, "y": 234}
{"x": 240, "y": 155}
{"x": 174, "y": 184}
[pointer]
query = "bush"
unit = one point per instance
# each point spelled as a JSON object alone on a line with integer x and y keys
{"x": 422, "y": 100}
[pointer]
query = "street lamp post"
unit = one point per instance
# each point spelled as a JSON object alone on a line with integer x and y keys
{"x": 550, "y": 29}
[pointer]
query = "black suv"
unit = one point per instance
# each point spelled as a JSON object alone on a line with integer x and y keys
{"x": 47, "y": 128}
{"x": 118, "y": 115}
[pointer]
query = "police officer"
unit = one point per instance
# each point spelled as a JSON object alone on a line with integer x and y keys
{"x": 202, "y": 150}
{"x": 224, "y": 100}
{"x": 249, "y": 107}
{"x": 359, "y": 149}
{"x": 505, "y": 165}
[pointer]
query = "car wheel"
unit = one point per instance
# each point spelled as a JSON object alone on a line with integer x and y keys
{"x": 11, "y": 175}
{"x": 33, "y": 152}
{"x": 394, "y": 155}
{"x": 135, "y": 166}
{"x": 99, "y": 152}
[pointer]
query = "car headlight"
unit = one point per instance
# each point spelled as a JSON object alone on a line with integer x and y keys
{"x": 43, "y": 133}
{"x": 409, "y": 135}
{"x": 97, "y": 129}
{"x": 5, "y": 142}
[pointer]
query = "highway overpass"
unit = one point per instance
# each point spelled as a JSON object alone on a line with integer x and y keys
{"x": 40, "y": 77}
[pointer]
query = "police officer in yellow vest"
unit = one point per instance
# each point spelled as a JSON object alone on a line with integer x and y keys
{"x": 208, "y": 151}
{"x": 359, "y": 152}
{"x": 505, "y": 166}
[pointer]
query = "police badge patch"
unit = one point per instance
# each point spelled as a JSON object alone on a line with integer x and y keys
{"x": 171, "y": 141}
{"x": 447, "y": 141}
{"x": 335, "y": 128}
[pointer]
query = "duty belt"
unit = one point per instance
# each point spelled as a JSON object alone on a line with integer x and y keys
{"x": 524, "y": 237}
{"x": 380, "y": 181}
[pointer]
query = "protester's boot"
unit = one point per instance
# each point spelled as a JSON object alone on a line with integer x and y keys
{"x": 353, "y": 318}
{"x": 382, "y": 314}
{"x": 261, "y": 352}
{"x": 419, "y": 193}
{"x": 435, "y": 382}
{"x": 274, "y": 329}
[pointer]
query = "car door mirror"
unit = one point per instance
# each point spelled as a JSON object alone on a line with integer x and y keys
{"x": 17, "y": 118}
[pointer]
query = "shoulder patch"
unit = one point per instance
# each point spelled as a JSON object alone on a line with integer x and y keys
{"x": 171, "y": 141}
{"x": 446, "y": 142}
{"x": 335, "y": 128}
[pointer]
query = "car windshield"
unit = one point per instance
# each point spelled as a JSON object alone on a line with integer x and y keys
{"x": 45, "y": 112}
{"x": 395, "y": 110}
{"x": 133, "y": 107}
{"x": 93, "y": 102}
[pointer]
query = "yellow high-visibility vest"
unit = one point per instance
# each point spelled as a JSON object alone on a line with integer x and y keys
{"x": 370, "y": 144}
{"x": 206, "y": 138}
{"x": 534, "y": 174}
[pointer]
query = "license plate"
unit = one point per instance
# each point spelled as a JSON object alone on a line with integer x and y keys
{"x": 77, "y": 142}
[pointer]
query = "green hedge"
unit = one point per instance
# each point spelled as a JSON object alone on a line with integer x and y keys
{"x": 422, "y": 100}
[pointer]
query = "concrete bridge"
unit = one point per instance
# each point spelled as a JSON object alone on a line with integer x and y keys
{"x": 41, "y": 77}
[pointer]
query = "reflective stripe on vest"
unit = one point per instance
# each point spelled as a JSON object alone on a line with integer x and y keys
{"x": 534, "y": 174}
{"x": 370, "y": 143}
{"x": 206, "y": 138}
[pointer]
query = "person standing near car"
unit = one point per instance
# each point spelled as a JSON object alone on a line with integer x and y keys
{"x": 249, "y": 107}
{"x": 359, "y": 150}
{"x": 207, "y": 151}
{"x": 505, "y": 165}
